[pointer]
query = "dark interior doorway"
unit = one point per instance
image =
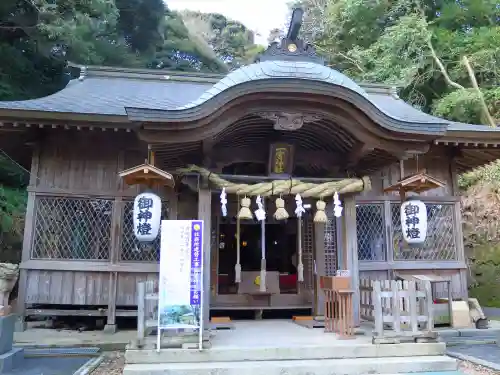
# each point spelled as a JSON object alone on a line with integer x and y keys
{"x": 281, "y": 249}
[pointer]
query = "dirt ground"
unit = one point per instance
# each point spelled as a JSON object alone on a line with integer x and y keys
{"x": 471, "y": 369}
{"x": 112, "y": 365}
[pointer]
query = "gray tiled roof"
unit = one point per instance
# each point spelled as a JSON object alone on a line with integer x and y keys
{"x": 109, "y": 92}
{"x": 461, "y": 127}
{"x": 110, "y": 95}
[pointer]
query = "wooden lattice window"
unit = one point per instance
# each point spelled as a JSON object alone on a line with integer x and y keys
{"x": 307, "y": 251}
{"x": 330, "y": 243}
{"x": 72, "y": 228}
{"x": 440, "y": 242}
{"x": 370, "y": 227}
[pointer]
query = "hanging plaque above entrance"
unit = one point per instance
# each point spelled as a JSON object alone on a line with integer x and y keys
{"x": 281, "y": 160}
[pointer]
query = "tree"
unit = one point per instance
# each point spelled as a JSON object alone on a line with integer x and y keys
{"x": 39, "y": 37}
{"x": 435, "y": 52}
{"x": 314, "y": 23}
{"x": 275, "y": 35}
{"x": 230, "y": 40}
{"x": 42, "y": 35}
{"x": 417, "y": 45}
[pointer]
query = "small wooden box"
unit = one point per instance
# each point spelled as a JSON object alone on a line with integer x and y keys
{"x": 341, "y": 282}
{"x": 335, "y": 282}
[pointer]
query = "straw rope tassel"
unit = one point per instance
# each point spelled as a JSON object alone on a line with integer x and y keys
{"x": 300, "y": 265}
{"x": 237, "y": 266}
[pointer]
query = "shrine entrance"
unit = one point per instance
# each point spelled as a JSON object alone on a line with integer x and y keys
{"x": 285, "y": 294}
{"x": 280, "y": 254}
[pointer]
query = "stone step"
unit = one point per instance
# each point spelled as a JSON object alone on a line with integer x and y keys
{"x": 310, "y": 352}
{"x": 346, "y": 366}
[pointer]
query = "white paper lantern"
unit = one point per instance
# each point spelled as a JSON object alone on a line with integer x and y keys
{"x": 147, "y": 216}
{"x": 414, "y": 221}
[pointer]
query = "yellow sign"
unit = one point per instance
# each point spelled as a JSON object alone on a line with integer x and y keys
{"x": 280, "y": 160}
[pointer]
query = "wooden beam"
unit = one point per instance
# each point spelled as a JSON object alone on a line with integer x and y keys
{"x": 226, "y": 156}
{"x": 207, "y": 147}
{"x": 358, "y": 152}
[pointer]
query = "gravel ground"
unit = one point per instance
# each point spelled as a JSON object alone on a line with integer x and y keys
{"x": 113, "y": 364}
{"x": 471, "y": 369}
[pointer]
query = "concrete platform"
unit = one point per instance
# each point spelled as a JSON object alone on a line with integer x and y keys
{"x": 44, "y": 337}
{"x": 349, "y": 366}
{"x": 283, "y": 347}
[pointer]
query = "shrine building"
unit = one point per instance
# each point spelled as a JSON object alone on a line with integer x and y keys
{"x": 283, "y": 126}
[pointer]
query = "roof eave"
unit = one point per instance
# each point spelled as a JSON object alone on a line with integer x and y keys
{"x": 488, "y": 136}
{"x": 47, "y": 116}
{"x": 431, "y": 130}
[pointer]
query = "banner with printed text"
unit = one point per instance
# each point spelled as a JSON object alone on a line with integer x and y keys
{"x": 181, "y": 268}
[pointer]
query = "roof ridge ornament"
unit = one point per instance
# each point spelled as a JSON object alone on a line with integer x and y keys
{"x": 292, "y": 48}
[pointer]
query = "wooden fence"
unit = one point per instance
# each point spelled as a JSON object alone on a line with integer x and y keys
{"x": 398, "y": 309}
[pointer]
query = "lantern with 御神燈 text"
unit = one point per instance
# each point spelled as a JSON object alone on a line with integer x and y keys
{"x": 414, "y": 221}
{"x": 147, "y": 216}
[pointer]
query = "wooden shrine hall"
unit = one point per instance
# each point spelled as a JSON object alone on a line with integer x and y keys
{"x": 286, "y": 126}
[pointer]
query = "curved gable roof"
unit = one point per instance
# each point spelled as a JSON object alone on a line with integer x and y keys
{"x": 292, "y": 76}
{"x": 277, "y": 69}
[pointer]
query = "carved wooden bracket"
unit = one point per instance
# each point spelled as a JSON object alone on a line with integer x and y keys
{"x": 289, "y": 120}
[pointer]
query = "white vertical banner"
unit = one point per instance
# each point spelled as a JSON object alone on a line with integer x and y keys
{"x": 181, "y": 277}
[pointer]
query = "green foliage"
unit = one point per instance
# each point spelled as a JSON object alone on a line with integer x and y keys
{"x": 485, "y": 275}
{"x": 230, "y": 40}
{"x": 12, "y": 208}
{"x": 396, "y": 57}
{"x": 13, "y": 199}
{"x": 42, "y": 35}
{"x": 418, "y": 45}
{"x": 401, "y": 42}
{"x": 39, "y": 37}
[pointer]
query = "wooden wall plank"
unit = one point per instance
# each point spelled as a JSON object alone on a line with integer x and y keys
{"x": 67, "y": 287}
{"x": 65, "y": 163}
{"x": 127, "y": 287}
{"x": 436, "y": 162}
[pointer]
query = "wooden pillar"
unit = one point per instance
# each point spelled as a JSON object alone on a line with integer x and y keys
{"x": 114, "y": 258}
{"x": 173, "y": 200}
{"x": 29, "y": 228}
{"x": 457, "y": 227}
{"x": 319, "y": 268}
{"x": 351, "y": 253}
{"x": 115, "y": 245}
{"x": 29, "y": 231}
{"x": 340, "y": 245}
{"x": 459, "y": 245}
{"x": 204, "y": 213}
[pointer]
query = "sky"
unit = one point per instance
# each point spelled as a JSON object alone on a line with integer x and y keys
{"x": 261, "y": 16}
